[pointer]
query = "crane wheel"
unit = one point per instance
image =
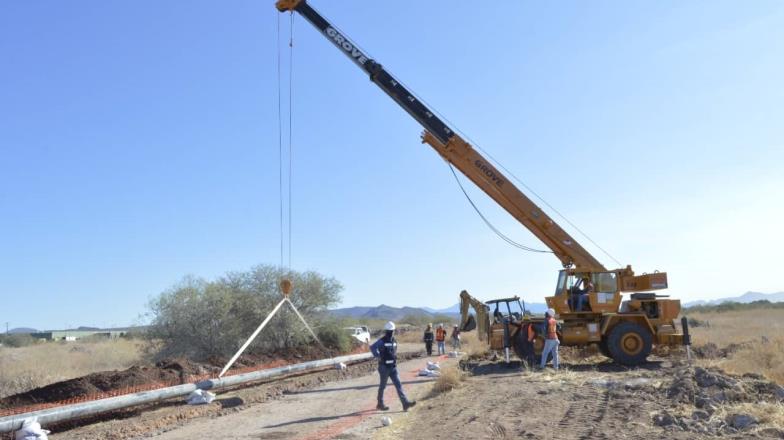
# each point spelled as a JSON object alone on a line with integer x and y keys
{"x": 629, "y": 343}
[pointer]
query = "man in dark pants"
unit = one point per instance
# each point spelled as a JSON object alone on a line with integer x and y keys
{"x": 428, "y": 338}
{"x": 385, "y": 349}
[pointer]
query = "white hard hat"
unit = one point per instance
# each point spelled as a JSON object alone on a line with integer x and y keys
{"x": 551, "y": 312}
{"x": 389, "y": 326}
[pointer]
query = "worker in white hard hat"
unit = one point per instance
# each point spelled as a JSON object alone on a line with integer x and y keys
{"x": 455, "y": 338}
{"x": 551, "y": 341}
{"x": 385, "y": 349}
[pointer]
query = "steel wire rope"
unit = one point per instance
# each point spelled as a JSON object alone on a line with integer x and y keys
{"x": 500, "y": 165}
{"x": 487, "y": 222}
{"x": 291, "y": 122}
{"x": 285, "y": 221}
{"x": 280, "y": 142}
{"x": 479, "y": 147}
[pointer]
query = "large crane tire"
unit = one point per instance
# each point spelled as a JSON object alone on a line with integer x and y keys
{"x": 629, "y": 343}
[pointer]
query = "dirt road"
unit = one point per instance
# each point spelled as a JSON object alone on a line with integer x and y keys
{"x": 589, "y": 399}
{"x": 344, "y": 409}
{"x": 330, "y": 404}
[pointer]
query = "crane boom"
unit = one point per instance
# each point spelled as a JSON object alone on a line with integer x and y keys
{"x": 455, "y": 149}
{"x": 593, "y": 314}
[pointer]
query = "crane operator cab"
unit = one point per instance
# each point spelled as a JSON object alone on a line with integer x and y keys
{"x": 586, "y": 292}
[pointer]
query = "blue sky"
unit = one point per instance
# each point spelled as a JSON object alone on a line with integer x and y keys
{"x": 139, "y": 144}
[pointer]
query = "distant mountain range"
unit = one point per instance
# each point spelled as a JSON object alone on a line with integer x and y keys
{"x": 396, "y": 313}
{"x": 745, "y": 298}
{"x": 385, "y": 312}
{"x": 27, "y": 330}
{"x": 22, "y": 330}
{"x": 455, "y": 309}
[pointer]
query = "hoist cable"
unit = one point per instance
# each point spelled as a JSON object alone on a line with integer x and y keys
{"x": 487, "y": 222}
{"x": 280, "y": 144}
{"x": 500, "y": 165}
{"x": 291, "y": 119}
{"x": 493, "y": 159}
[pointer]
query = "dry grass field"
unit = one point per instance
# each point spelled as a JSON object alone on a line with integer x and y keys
{"x": 26, "y": 368}
{"x": 755, "y": 339}
{"x": 758, "y": 336}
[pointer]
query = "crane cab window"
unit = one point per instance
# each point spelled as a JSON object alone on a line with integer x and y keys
{"x": 605, "y": 282}
{"x": 561, "y": 286}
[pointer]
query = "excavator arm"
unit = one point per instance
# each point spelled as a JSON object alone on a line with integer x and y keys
{"x": 481, "y": 320}
{"x": 456, "y": 150}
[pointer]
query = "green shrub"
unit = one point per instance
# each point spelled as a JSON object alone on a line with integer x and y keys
{"x": 334, "y": 336}
{"x": 17, "y": 340}
{"x": 731, "y": 306}
{"x": 694, "y": 322}
{"x": 204, "y": 320}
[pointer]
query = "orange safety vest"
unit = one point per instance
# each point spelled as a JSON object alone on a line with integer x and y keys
{"x": 440, "y": 334}
{"x": 552, "y": 329}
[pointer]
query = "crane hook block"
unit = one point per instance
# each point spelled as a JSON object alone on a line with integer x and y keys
{"x": 285, "y": 286}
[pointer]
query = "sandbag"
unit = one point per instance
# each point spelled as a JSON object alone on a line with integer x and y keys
{"x": 200, "y": 397}
{"x": 31, "y": 430}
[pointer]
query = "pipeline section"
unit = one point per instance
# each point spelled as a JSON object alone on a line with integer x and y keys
{"x": 78, "y": 410}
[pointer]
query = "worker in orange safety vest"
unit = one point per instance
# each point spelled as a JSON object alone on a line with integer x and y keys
{"x": 551, "y": 341}
{"x": 528, "y": 346}
{"x": 441, "y": 338}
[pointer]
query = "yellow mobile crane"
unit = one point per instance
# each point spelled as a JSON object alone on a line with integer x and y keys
{"x": 625, "y": 332}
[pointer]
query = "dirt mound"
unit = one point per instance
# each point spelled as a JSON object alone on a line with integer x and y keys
{"x": 171, "y": 371}
{"x": 166, "y": 372}
{"x": 712, "y": 351}
{"x": 705, "y": 401}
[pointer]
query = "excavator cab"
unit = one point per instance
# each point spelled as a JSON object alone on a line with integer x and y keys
{"x": 507, "y": 308}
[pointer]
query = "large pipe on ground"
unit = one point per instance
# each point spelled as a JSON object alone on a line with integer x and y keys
{"x": 78, "y": 410}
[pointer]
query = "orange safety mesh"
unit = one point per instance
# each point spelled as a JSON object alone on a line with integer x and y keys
{"x": 147, "y": 387}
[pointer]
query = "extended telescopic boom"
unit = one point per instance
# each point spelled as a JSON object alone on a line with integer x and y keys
{"x": 456, "y": 150}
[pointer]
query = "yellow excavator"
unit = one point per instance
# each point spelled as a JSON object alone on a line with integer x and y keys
{"x": 588, "y": 296}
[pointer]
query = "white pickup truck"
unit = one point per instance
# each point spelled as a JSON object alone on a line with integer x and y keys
{"x": 361, "y": 333}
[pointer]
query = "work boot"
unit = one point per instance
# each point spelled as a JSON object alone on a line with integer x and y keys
{"x": 381, "y": 406}
{"x": 408, "y": 404}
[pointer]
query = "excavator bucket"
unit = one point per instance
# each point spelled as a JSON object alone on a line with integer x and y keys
{"x": 470, "y": 323}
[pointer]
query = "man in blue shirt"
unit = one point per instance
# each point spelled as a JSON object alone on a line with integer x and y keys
{"x": 385, "y": 349}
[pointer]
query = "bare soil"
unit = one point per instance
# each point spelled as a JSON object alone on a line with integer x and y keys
{"x": 664, "y": 398}
{"x": 589, "y": 398}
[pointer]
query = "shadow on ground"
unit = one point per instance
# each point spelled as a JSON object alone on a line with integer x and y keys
{"x": 327, "y": 418}
{"x": 500, "y": 368}
{"x": 359, "y": 387}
